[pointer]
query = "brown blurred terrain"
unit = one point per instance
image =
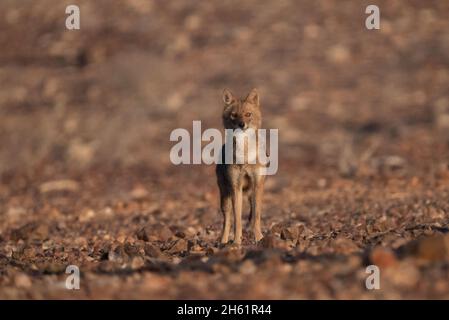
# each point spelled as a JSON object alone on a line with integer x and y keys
{"x": 85, "y": 119}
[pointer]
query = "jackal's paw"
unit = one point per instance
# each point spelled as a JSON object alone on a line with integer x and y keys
{"x": 222, "y": 244}
{"x": 235, "y": 245}
{"x": 258, "y": 236}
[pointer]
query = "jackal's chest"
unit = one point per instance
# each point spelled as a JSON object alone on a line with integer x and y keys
{"x": 245, "y": 152}
{"x": 244, "y": 148}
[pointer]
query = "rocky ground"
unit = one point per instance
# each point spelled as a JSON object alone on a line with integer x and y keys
{"x": 86, "y": 179}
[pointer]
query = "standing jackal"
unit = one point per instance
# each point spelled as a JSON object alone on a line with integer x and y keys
{"x": 241, "y": 178}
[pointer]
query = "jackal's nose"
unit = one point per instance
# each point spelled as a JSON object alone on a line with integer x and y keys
{"x": 241, "y": 124}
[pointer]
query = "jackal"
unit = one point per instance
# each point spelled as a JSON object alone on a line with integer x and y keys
{"x": 238, "y": 180}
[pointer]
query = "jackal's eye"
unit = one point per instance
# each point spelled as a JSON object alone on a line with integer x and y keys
{"x": 233, "y": 115}
{"x": 248, "y": 114}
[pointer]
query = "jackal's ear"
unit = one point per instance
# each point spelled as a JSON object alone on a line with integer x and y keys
{"x": 228, "y": 97}
{"x": 253, "y": 97}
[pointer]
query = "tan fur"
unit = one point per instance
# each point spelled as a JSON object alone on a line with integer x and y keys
{"x": 237, "y": 181}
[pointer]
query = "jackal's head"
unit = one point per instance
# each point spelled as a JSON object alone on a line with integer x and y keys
{"x": 241, "y": 113}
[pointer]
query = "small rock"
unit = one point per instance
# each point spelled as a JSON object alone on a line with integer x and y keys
{"x": 180, "y": 234}
{"x": 268, "y": 241}
{"x": 15, "y": 212}
{"x": 179, "y": 246}
{"x": 344, "y": 245}
{"x": 131, "y": 249}
{"x": 383, "y": 258}
{"x": 59, "y": 185}
{"x": 139, "y": 192}
{"x": 117, "y": 254}
{"x": 278, "y": 227}
{"x": 394, "y": 162}
{"x": 137, "y": 263}
{"x": 152, "y": 250}
{"x": 30, "y": 231}
{"x": 197, "y": 249}
{"x": 142, "y": 235}
{"x": 79, "y": 153}
{"x": 22, "y": 280}
{"x": 210, "y": 251}
{"x": 121, "y": 238}
{"x": 23, "y": 232}
{"x": 87, "y": 215}
{"x": 338, "y": 54}
{"x": 41, "y": 232}
{"x": 248, "y": 267}
{"x": 290, "y": 233}
{"x": 406, "y": 275}
{"x": 158, "y": 232}
{"x": 389, "y": 163}
{"x": 52, "y": 267}
{"x": 427, "y": 249}
{"x": 230, "y": 254}
{"x": 434, "y": 248}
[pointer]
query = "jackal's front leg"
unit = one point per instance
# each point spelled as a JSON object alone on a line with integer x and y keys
{"x": 256, "y": 206}
{"x": 237, "y": 208}
{"x": 226, "y": 208}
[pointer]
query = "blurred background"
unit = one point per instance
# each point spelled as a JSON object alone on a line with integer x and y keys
{"x": 110, "y": 93}
{"x": 85, "y": 119}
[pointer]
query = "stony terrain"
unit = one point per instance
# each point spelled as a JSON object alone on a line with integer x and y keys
{"x": 86, "y": 179}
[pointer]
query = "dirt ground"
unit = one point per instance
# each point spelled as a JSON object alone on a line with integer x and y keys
{"x": 86, "y": 178}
